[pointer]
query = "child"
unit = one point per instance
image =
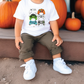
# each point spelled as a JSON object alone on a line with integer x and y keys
{"x": 33, "y": 21}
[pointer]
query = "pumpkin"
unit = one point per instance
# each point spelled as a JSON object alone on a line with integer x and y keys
{"x": 61, "y": 8}
{"x": 78, "y": 6}
{"x": 16, "y": 0}
{"x": 7, "y": 9}
{"x": 82, "y": 9}
{"x": 73, "y": 23}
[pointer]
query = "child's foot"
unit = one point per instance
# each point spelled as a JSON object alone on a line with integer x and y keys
{"x": 60, "y": 66}
{"x": 30, "y": 70}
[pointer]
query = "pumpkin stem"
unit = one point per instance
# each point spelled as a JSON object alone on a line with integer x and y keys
{"x": 73, "y": 13}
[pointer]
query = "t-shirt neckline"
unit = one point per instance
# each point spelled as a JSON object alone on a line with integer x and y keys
{"x": 36, "y": 3}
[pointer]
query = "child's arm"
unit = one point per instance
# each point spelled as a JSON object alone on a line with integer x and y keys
{"x": 55, "y": 30}
{"x": 18, "y": 27}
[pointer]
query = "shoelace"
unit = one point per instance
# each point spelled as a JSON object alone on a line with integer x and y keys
{"x": 27, "y": 67}
{"x": 62, "y": 62}
{"x": 23, "y": 65}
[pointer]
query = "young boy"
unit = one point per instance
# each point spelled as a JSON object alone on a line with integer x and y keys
{"x": 34, "y": 18}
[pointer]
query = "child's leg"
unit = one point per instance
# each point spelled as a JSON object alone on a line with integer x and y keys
{"x": 57, "y": 56}
{"x": 26, "y": 47}
{"x": 25, "y": 60}
{"x": 26, "y": 54}
{"x": 46, "y": 40}
{"x": 58, "y": 63}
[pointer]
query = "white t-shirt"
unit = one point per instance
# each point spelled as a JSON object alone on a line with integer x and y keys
{"x": 36, "y": 16}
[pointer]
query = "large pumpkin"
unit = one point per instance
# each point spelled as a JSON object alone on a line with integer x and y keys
{"x": 78, "y": 6}
{"x": 16, "y": 0}
{"x": 62, "y": 11}
{"x": 7, "y": 9}
{"x": 82, "y": 9}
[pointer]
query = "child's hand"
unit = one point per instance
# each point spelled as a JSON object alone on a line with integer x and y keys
{"x": 17, "y": 40}
{"x": 59, "y": 40}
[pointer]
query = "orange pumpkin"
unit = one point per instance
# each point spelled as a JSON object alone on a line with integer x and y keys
{"x": 78, "y": 6}
{"x": 16, "y": 0}
{"x": 7, "y": 9}
{"x": 82, "y": 9}
{"x": 62, "y": 11}
{"x": 73, "y": 23}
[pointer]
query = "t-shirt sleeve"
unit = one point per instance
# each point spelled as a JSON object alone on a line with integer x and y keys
{"x": 19, "y": 13}
{"x": 53, "y": 12}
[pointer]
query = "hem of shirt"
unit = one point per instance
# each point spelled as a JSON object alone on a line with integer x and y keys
{"x": 35, "y": 35}
{"x": 18, "y": 17}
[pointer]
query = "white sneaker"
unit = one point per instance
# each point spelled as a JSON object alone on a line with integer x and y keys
{"x": 30, "y": 70}
{"x": 60, "y": 66}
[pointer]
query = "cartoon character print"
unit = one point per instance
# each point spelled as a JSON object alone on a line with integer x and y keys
{"x": 41, "y": 16}
{"x": 32, "y": 17}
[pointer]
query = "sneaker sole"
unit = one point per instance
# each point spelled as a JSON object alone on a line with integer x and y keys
{"x": 62, "y": 72}
{"x": 30, "y": 78}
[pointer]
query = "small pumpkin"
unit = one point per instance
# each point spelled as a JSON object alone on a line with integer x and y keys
{"x": 73, "y": 24}
{"x": 78, "y": 6}
{"x": 7, "y": 9}
{"x": 82, "y": 9}
{"x": 61, "y": 8}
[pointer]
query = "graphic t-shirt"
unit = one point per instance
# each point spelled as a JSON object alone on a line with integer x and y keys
{"x": 36, "y": 16}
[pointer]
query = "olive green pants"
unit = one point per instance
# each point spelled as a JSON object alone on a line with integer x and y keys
{"x": 45, "y": 39}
